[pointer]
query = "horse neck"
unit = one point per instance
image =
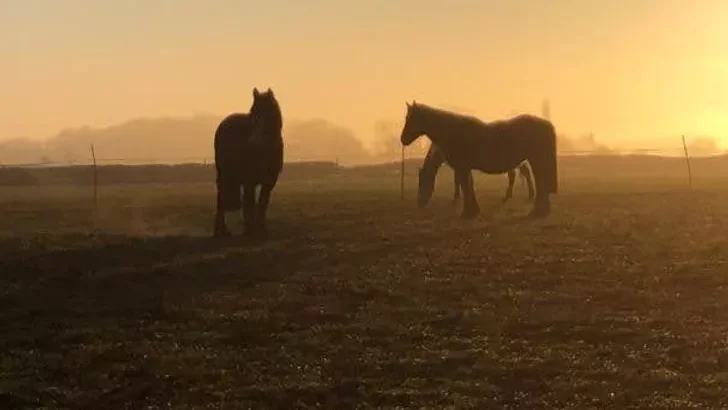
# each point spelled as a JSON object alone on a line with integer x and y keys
{"x": 434, "y": 159}
{"x": 439, "y": 127}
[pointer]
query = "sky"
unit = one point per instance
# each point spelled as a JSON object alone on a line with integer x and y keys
{"x": 637, "y": 72}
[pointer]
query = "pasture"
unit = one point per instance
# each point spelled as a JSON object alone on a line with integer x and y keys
{"x": 358, "y": 300}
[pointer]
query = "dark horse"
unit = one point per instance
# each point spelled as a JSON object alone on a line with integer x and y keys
{"x": 248, "y": 153}
{"x": 468, "y": 143}
{"x": 434, "y": 160}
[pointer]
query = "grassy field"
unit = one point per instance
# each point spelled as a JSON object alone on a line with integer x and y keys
{"x": 617, "y": 300}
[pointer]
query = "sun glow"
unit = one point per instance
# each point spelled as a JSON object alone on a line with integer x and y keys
{"x": 622, "y": 70}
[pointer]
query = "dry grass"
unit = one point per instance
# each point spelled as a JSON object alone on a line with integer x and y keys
{"x": 358, "y": 300}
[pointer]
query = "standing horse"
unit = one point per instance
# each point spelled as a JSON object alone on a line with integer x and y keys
{"x": 248, "y": 153}
{"x": 495, "y": 147}
{"x": 434, "y": 159}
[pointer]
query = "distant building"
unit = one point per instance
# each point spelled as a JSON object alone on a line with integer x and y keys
{"x": 546, "y": 109}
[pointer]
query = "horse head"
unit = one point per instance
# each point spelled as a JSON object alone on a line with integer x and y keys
{"x": 411, "y": 129}
{"x": 265, "y": 117}
{"x": 425, "y": 186}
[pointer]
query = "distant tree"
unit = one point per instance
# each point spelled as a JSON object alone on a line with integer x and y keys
{"x": 703, "y": 146}
{"x": 387, "y": 145}
{"x": 321, "y": 140}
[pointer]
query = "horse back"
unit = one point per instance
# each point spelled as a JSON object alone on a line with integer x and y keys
{"x": 237, "y": 161}
{"x": 231, "y": 130}
{"x": 524, "y": 124}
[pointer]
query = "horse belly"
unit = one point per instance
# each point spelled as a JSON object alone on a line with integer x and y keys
{"x": 497, "y": 162}
{"x": 495, "y": 168}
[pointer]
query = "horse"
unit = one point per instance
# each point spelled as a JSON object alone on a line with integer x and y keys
{"x": 468, "y": 143}
{"x": 434, "y": 159}
{"x": 248, "y": 153}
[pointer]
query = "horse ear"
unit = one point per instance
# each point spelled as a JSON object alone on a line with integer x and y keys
{"x": 408, "y": 105}
{"x": 256, "y": 93}
{"x": 414, "y": 103}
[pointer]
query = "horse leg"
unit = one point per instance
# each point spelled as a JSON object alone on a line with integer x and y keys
{"x": 544, "y": 167}
{"x": 261, "y": 226}
{"x": 542, "y": 203}
{"x": 220, "y": 229}
{"x": 511, "y": 181}
{"x": 249, "y": 210}
{"x": 456, "y": 196}
{"x": 470, "y": 205}
{"x": 529, "y": 182}
{"x": 541, "y": 207}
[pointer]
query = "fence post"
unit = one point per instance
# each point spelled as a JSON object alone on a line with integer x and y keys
{"x": 401, "y": 176}
{"x": 95, "y": 181}
{"x": 687, "y": 160}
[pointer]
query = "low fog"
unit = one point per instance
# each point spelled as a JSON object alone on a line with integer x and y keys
{"x": 189, "y": 139}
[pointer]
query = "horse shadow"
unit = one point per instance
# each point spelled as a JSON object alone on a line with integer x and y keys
{"x": 492, "y": 209}
{"x": 115, "y": 279}
{"x": 80, "y": 290}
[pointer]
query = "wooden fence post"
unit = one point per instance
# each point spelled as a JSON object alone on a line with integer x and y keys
{"x": 687, "y": 160}
{"x": 401, "y": 176}
{"x": 95, "y": 181}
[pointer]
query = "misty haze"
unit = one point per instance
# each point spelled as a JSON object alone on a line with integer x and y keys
{"x": 411, "y": 204}
{"x": 187, "y": 140}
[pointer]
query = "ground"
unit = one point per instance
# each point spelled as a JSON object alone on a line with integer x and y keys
{"x": 359, "y": 299}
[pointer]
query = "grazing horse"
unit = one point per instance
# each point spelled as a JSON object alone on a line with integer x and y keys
{"x": 248, "y": 153}
{"x": 495, "y": 147}
{"x": 434, "y": 159}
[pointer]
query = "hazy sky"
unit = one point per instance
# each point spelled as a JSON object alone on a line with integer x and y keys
{"x": 627, "y": 70}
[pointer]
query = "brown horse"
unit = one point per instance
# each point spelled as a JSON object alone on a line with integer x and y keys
{"x": 495, "y": 147}
{"x": 434, "y": 160}
{"x": 248, "y": 153}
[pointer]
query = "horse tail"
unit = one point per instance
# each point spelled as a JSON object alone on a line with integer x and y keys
{"x": 221, "y": 151}
{"x": 226, "y": 178}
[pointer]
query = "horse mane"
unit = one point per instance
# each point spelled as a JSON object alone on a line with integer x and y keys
{"x": 467, "y": 118}
{"x": 277, "y": 109}
{"x": 441, "y": 112}
{"x": 430, "y": 153}
{"x": 433, "y": 158}
{"x": 275, "y": 113}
